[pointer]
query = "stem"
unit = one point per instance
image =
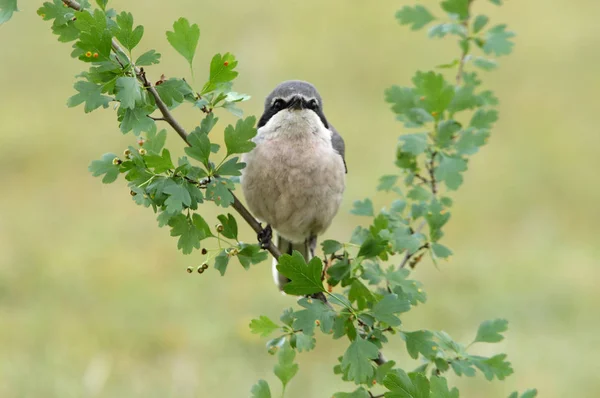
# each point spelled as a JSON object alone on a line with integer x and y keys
{"x": 463, "y": 57}
{"x": 168, "y": 117}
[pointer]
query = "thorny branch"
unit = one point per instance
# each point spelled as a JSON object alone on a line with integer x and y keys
{"x": 167, "y": 116}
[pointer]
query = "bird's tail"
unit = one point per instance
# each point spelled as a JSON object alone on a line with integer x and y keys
{"x": 306, "y": 248}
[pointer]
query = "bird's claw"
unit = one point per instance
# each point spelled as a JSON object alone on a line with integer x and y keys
{"x": 264, "y": 236}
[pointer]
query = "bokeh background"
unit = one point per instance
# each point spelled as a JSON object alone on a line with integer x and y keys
{"x": 95, "y": 300}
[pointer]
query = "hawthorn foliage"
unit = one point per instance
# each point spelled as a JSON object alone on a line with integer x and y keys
{"x": 357, "y": 290}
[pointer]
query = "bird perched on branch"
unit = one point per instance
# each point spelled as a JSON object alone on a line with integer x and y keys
{"x": 295, "y": 176}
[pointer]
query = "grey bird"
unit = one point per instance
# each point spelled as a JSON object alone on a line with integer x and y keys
{"x": 295, "y": 176}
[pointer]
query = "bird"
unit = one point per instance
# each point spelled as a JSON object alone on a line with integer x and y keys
{"x": 294, "y": 177}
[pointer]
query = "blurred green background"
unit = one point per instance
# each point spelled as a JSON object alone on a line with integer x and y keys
{"x": 95, "y": 300}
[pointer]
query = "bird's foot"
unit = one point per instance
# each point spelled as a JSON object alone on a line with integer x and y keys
{"x": 264, "y": 236}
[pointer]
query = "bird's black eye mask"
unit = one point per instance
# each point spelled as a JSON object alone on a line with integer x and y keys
{"x": 296, "y": 102}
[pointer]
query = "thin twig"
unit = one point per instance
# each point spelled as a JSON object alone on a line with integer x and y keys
{"x": 463, "y": 57}
{"x": 408, "y": 254}
{"x": 168, "y": 117}
{"x": 431, "y": 170}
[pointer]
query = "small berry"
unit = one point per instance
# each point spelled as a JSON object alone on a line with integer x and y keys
{"x": 234, "y": 252}
{"x": 117, "y": 161}
{"x": 317, "y": 322}
{"x": 204, "y": 266}
{"x": 200, "y": 270}
{"x": 132, "y": 193}
{"x": 204, "y": 251}
{"x": 142, "y": 151}
{"x": 219, "y": 228}
{"x": 88, "y": 54}
{"x": 374, "y": 382}
{"x": 127, "y": 153}
{"x": 226, "y": 63}
{"x": 95, "y": 55}
{"x": 190, "y": 270}
{"x": 141, "y": 142}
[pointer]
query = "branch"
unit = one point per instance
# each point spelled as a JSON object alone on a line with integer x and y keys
{"x": 463, "y": 57}
{"x": 409, "y": 255}
{"x": 168, "y": 117}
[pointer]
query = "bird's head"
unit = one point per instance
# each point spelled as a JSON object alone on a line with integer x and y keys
{"x": 293, "y": 101}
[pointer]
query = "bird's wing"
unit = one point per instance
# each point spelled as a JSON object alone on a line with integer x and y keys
{"x": 338, "y": 144}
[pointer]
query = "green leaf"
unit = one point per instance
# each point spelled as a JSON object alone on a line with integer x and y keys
{"x": 200, "y": 146}
{"x": 527, "y": 394}
{"x": 148, "y": 58}
{"x": 402, "y": 385}
{"x": 305, "y": 278}
{"x": 136, "y": 119}
{"x": 331, "y": 246}
{"x": 263, "y": 326}
{"x": 439, "y": 388}
{"x": 436, "y": 91}
{"x": 251, "y": 254}
{"x": 314, "y": 310}
{"x": 497, "y": 41}
{"x": 484, "y": 63}
{"x": 414, "y": 143}
{"x": 261, "y": 390}
{"x": 128, "y": 91}
{"x": 470, "y": 140}
{"x": 173, "y": 91}
{"x": 155, "y": 141}
{"x": 49, "y": 11}
{"x": 479, "y": 23}
{"x": 126, "y": 35}
{"x": 95, "y": 37}
{"x": 190, "y": 231}
{"x": 7, "y": 8}
{"x": 446, "y": 131}
{"x": 386, "y": 309}
{"x": 458, "y": 7}
{"x": 420, "y": 342}
{"x": 464, "y": 98}
{"x": 230, "y": 228}
{"x": 495, "y": 366}
{"x": 408, "y": 288}
{"x": 490, "y": 331}
{"x": 161, "y": 163}
{"x": 89, "y": 93}
{"x": 363, "y": 208}
{"x": 231, "y": 168}
{"x": 371, "y": 247}
{"x": 221, "y": 71}
{"x": 483, "y": 119}
{"x": 387, "y": 182}
{"x": 402, "y": 99}
{"x": 417, "y": 16}
{"x": 443, "y": 29}
{"x": 356, "y": 362}
{"x": 441, "y": 251}
{"x": 219, "y": 191}
{"x": 184, "y": 38}
{"x": 359, "y": 393}
{"x": 106, "y": 167}
{"x": 303, "y": 342}
{"x": 239, "y": 139}
{"x": 450, "y": 171}
{"x": 286, "y": 369}
{"x": 418, "y": 193}
{"x": 179, "y": 197}
{"x": 221, "y": 262}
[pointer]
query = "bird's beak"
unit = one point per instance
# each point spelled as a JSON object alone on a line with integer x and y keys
{"x": 296, "y": 104}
